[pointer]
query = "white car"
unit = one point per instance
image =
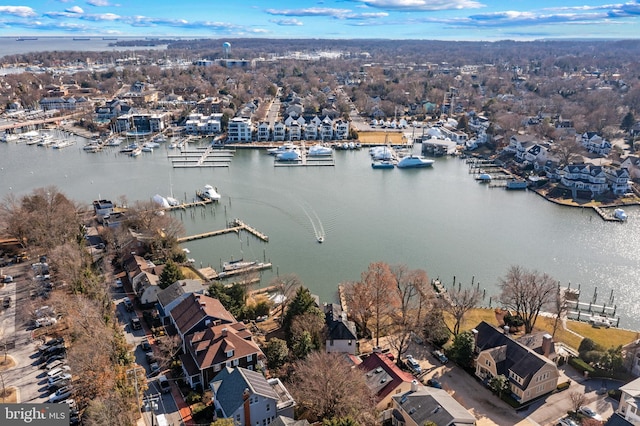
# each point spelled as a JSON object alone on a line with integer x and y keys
{"x": 61, "y": 394}
{"x": 567, "y": 421}
{"x": 46, "y": 321}
{"x": 588, "y": 412}
{"x": 62, "y": 377}
{"x": 61, "y": 369}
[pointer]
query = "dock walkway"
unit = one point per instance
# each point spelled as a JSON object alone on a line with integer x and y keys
{"x": 235, "y": 226}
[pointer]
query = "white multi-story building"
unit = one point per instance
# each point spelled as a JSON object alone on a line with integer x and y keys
{"x": 342, "y": 130}
{"x": 279, "y": 131}
{"x": 240, "y": 130}
{"x": 263, "y": 132}
{"x": 200, "y": 124}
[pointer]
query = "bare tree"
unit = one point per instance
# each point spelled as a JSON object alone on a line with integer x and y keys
{"x": 577, "y": 400}
{"x": 286, "y": 286}
{"x": 379, "y": 279}
{"x": 559, "y": 309}
{"x": 567, "y": 150}
{"x": 326, "y": 387}
{"x": 526, "y": 292}
{"x": 459, "y": 301}
{"x": 359, "y": 305}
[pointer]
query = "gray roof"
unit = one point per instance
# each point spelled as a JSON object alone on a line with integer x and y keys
{"x": 179, "y": 288}
{"x": 229, "y": 386}
{"x": 435, "y": 405}
{"x": 288, "y": 421}
{"x": 338, "y": 326}
{"x": 513, "y": 357}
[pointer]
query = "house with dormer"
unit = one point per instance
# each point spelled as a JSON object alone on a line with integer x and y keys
{"x": 279, "y": 131}
{"x": 197, "y": 312}
{"x": 584, "y": 177}
{"x": 385, "y": 379}
{"x": 249, "y": 398}
{"x": 326, "y": 129}
{"x": 341, "y": 130}
{"x": 530, "y": 374}
{"x": 518, "y": 144}
{"x": 340, "y": 332}
{"x": 263, "y": 132}
{"x": 629, "y": 406}
{"x": 422, "y": 405}
{"x": 619, "y": 180}
{"x": 208, "y": 351}
{"x": 594, "y": 143}
{"x": 176, "y": 293}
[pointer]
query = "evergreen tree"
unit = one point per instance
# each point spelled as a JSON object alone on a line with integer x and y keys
{"x": 462, "y": 349}
{"x": 302, "y": 302}
{"x": 627, "y": 122}
{"x": 276, "y": 351}
{"x": 170, "y": 274}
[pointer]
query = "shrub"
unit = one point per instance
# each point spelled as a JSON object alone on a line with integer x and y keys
{"x": 193, "y": 397}
{"x": 563, "y": 386}
{"x": 580, "y": 365}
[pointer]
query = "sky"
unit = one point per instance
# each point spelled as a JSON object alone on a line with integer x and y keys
{"x": 335, "y": 19}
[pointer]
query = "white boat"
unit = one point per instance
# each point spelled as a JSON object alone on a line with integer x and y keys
{"x": 8, "y": 137}
{"x": 161, "y": 201}
{"x": 293, "y": 155}
{"x": 320, "y": 239}
{"x": 319, "y": 150}
{"x": 209, "y": 193}
{"x": 114, "y": 141}
{"x": 62, "y": 144}
{"x": 381, "y": 153}
{"x": 414, "y": 161}
{"x": 136, "y": 151}
{"x": 146, "y": 148}
{"x": 620, "y": 214}
{"x": 484, "y": 177}
{"x": 234, "y": 265}
{"x": 152, "y": 144}
{"x": 92, "y": 147}
{"x": 281, "y": 149}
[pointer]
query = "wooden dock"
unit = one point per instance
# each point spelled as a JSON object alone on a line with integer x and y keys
{"x": 605, "y": 216}
{"x": 184, "y": 206}
{"x": 235, "y": 226}
{"x": 248, "y": 270}
{"x": 210, "y": 156}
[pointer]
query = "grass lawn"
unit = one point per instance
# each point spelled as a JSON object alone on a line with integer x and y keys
{"x": 605, "y": 337}
{"x": 393, "y": 137}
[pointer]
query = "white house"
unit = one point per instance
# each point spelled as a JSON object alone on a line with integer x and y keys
{"x": 584, "y": 177}
{"x": 629, "y": 402}
{"x": 594, "y": 143}
{"x": 240, "y": 130}
{"x": 279, "y": 131}
{"x": 263, "y": 131}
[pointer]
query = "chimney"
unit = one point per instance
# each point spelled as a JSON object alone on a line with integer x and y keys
{"x": 506, "y": 330}
{"x": 246, "y": 398}
{"x": 475, "y": 339}
{"x": 547, "y": 345}
{"x": 225, "y": 331}
{"x": 414, "y": 385}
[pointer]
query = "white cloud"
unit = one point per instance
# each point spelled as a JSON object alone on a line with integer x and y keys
{"x": 22, "y": 11}
{"x": 422, "y": 5}
{"x": 286, "y": 22}
{"x": 325, "y": 11}
{"x": 75, "y": 9}
{"x": 99, "y": 3}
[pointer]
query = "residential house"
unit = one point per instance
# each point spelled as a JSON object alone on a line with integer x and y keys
{"x": 310, "y": 131}
{"x": 534, "y": 154}
{"x": 341, "y": 130}
{"x": 421, "y": 405}
{"x": 632, "y": 164}
{"x": 385, "y": 379}
{"x": 631, "y": 353}
{"x": 455, "y": 135}
{"x": 326, "y": 129}
{"x": 594, "y": 143}
{"x": 112, "y": 109}
{"x": 341, "y": 332}
{"x": 248, "y": 398}
{"x": 279, "y": 131}
{"x": 530, "y": 374}
{"x": 208, "y": 352}
{"x": 176, "y": 293}
{"x": 295, "y": 131}
{"x": 145, "y": 285}
{"x": 629, "y": 406}
{"x": 197, "y": 312}
{"x": 142, "y": 122}
{"x": 263, "y": 132}
{"x": 239, "y": 130}
{"x": 619, "y": 180}
{"x": 58, "y": 103}
{"x": 133, "y": 265}
{"x": 519, "y": 143}
{"x": 617, "y": 420}
{"x": 584, "y": 177}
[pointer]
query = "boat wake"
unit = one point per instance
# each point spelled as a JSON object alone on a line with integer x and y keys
{"x": 316, "y": 223}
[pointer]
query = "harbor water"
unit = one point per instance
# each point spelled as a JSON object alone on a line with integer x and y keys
{"x": 437, "y": 219}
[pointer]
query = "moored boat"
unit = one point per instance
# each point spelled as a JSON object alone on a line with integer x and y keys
{"x": 288, "y": 156}
{"x": 209, "y": 193}
{"x": 517, "y": 184}
{"x": 414, "y": 161}
{"x": 620, "y": 214}
{"x": 382, "y": 164}
{"x": 319, "y": 150}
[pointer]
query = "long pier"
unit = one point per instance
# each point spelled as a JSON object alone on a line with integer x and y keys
{"x": 235, "y": 226}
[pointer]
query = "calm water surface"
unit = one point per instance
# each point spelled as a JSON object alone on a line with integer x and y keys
{"x": 438, "y": 219}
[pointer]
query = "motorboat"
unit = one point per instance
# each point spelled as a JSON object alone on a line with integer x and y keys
{"x": 286, "y": 147}
{"x": 381, "y": 153}
{"x": 161, "y": 201}
{"x": 382, "y": 164}
{"x": 62, "y": 144}
{"x": 92, "y": 147}
{"x": 234, "y": 265}
{"x": 210, "y": 193}
{"x": 114, "y": 141}
{"x": 135, "y": 152}
{"x": 293, "y": 155}
{"x": 620, "y": 215}
{"x": 128, "y": 149}
{"x": 172, "y": 201}
{"x": 320, "y": 239}
{"x": 319, "y": 150}
{"x": 484, "y": 177}
{"x": 414, "y": 161}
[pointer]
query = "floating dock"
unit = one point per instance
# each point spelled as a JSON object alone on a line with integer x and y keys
{"x": 210, "y": 156}
{"x": 606, "y": 216}
{"x": 306, "y": 160}
{"x": 235, "y": 226}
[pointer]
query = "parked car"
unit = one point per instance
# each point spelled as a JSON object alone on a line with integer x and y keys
{"x": 7, "y": 279}
{"x": 155, "y": 368}
{"x": 60, "y": 376}
{"x": 54, "y": 386}
{"x": 434, "y": 383}
{"x": 567, "y": 421}
{"x": 128, "y": 304}
{"x": 145, "y": 345}
{"x": 413, "y": 364}
{"x": 58, "y": 370}
{"x": 588, "y": 412}
{"x": 50, "y": 343}
{"x": 61, "y": 394}
{"x": 163, "y": 382}
{"x": 48, "y": 362}
{"x": 440, "y": 356}
{"x": 52, "y": 364}
{"x": 136, "y": 324}
{"x": 6, "y": 302}
{"x": 149, "y": 356}
{"x": 119, "y": 284}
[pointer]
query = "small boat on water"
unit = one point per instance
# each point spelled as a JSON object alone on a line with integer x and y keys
{"x": 234, "y": 265}
{"x": 484, "y": 178}
{"x": 92, "y": 147}
{"x": 128, "y": 149}
{"x": 320, "y": 239}
{"x": 62, "y": 144}
{"x": 414, "y": 161}
{"x": 114, "y": 141}
{"x": 135, "y": 152}
{"x": 620, "y": 215}
{"x": 209, "y": 193}
{"x": 382, "y": 164}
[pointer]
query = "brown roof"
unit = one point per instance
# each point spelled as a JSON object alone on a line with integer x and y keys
{"x": 210, "y": 347}
{"x": 378, "y": 365}
{"x": 195, "y": 309}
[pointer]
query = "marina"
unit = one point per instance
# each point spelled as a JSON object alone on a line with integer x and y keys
{"x": 358, "y": 210}
{"x": 234, "y": 227}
